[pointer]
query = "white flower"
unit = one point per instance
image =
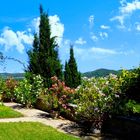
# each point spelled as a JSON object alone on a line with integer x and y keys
{"x": 117, "y": 96}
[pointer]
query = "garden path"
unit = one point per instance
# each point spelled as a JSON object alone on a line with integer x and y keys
{"x": 35, "y": 115}
{"x": 63, "y": 125}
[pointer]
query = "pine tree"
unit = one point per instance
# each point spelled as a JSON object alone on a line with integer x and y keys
{"x": 71, "y": 74}
{"x": 43, "y": 58}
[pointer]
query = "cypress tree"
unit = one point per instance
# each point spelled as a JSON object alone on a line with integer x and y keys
{"x": 33, "y": 55}
{"x": 72, "y": 76}
{"x": 43, "y": 58}
{"x": 67, "y": 75}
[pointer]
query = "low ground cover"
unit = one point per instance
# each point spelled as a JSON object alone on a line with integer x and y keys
{"x": 31, "y": 131}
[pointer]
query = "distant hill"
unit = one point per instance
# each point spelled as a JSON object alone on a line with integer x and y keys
{"x": 14, "y": 75}
{"x": 96, "y": 73}
{"x": 100, "y": 73}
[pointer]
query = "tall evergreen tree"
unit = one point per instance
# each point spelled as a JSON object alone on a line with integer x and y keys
{"x": 71, "y": 74}
{"x": 33, "y": 56}
{"x": 67, "y": 75}
{"x": 43, "y": 58}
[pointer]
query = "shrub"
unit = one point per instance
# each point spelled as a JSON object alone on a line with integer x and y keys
{"x": 132, "y": 107}
{"x": 131, "y": 82}
{"x": 44, "y": 102}
{"x": 61, "y": 97}
{"x": 2, "y": 87}
{"x": 97, "y": 98}
{"x": 8, "y": 89}
{"x": 27, "y": 93}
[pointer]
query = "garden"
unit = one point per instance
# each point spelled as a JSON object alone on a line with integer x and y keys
{"x": 91, "y": 104}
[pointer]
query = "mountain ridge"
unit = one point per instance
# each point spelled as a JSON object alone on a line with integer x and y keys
{"x": 102, "y": 72}
{"x": 6, "y": 75}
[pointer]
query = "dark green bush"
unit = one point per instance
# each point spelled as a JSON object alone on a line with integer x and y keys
{"x": 131, "y": 84}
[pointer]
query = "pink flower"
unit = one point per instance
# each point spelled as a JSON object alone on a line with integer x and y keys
{"x": 54, "y": 78}
{"x": 64, "y": 106}
{"x": 54, "y": 85}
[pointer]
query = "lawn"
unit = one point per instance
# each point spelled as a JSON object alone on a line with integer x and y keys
{"x": 7, "y": 112}
{"x": 31, "y": 131}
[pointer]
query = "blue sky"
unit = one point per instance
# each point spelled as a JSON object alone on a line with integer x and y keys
{"x": 105, "y": 33}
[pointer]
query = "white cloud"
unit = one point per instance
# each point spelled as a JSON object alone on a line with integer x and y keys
{"x": 57, "y": 28}
{"x": 18, "y": 39}
{"x": 129, "y": 8}
{"x": 10, "y": 39}
{"x": 102, "y": 51}
{"x": 126, "y": 10}
{"x": 80, "y": 41}
{"x": 120, "y": 19}
{"x": 137, "y": 26}
{"x": 103, "y": 35}
{"x": 91, "y": 21}
{"x": 123, "y": 2}
{"x": 35, "y": 24}
{"x": 67, "y": 42}
{"x": 94, "y": 38}
{"x": 104, "y": 27}
{"x": 126, "y": 53}
{"x": 93, "y": 53}
{"x": 98, "y": 53}
{"x": 25, "y": 37}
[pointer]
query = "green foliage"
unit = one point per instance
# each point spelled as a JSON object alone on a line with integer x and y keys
{"x": 58, "y": 97}
{"x": 27, "y": 93}
{"x": 132, "y": 106}
{"x": 43, "y": 58}
{"x": 67, "y": 74}
{"x": 98, "y": 98}
{"x": 10, "y": 85}
{"x": 31, "y": 131}
{"x": 131, "y": 84}
{"x": 7, "y": 89}
{"x": 33, "y": 56}
{"x": 71, "y": 75}
{"x": 2, "y": 87}
{"x": 44, "y": 102}
{"x": 61, "y": 93}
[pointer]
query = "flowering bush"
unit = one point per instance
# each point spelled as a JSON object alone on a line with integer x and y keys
{"x": 8, "y": 89}
{"x": 97, "y": 98}
{"x": 27, "y": 93}
{"x": 61, "y": 96}
{"x": 2, "y": 87}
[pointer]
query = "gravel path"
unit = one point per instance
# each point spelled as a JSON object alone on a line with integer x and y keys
{"x": 35, "y": 115}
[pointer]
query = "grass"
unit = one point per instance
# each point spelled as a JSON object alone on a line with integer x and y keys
{"x": 7, "y": 112}
{"x": 31, "y": 131}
